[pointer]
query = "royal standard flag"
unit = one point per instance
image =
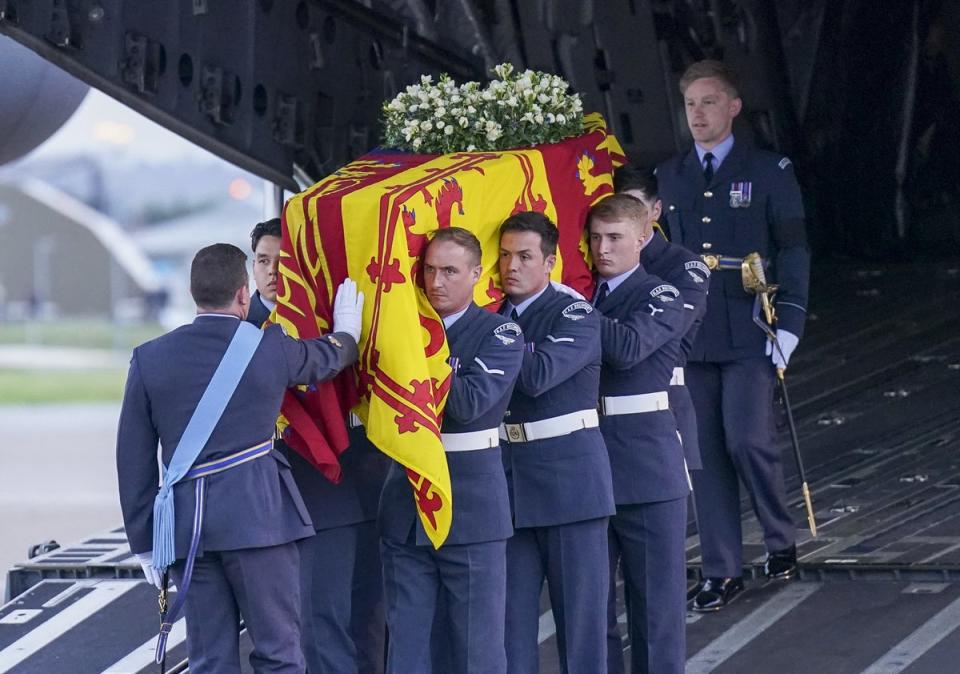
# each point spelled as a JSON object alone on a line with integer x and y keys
{"x": 370, "y": 221}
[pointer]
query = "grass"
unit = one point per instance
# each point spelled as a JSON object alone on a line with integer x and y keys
{"x": 29, "y": 387}
{"x": 87, "y": 334}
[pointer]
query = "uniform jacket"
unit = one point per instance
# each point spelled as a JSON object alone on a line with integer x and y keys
{"x": 701, "y": 217}
{"x": 687, "y": 273}
{"x": 258, "y": 311}
{"x": 363, "y": 468}
{"x": 255, "y": 504}
{"x": 567, "y": 478}
{"x": 643, "y": 320}
{"x": 486, "y": 351}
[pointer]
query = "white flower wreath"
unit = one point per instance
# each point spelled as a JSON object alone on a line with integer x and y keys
{"x": 514, "y": 110}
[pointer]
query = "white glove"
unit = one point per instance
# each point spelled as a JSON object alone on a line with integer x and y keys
{"x": 153, "y": 576}
{"x": 566, "y": 290}
{"x": 348, "y": 309}
{"x": 788, "y": 342}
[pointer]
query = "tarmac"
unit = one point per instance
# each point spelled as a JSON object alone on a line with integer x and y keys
{"x": 57, "y": 476}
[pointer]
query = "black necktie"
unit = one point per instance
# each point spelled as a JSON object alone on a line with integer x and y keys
{"x": 708, "y": 167}
{"x": 514, "y": 315}
{"x": 602, "y": 292}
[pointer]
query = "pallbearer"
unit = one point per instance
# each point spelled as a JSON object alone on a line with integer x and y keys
{"x": 556, "y": 461}
{"x": 643, "y": 320}
{"x": 467, "y": 574}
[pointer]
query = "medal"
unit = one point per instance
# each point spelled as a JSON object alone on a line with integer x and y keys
{"x": 740, "y": 195}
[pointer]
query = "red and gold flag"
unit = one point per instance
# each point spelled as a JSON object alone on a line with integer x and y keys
{"x": 370, "y": 221}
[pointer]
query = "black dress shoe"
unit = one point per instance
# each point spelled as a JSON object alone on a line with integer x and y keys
{"x": 717, "y": 593}
{"x": 781, "y": 564}
{"x": 694, "y": 590}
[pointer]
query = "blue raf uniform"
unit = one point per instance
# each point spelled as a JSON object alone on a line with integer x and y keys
{"x": 560, "y": 486}
{"x": 643, "y": 320}
{"x": 341, "y": 585}
{"x": 467, "y": 574}
{"x": 247, "y": 562}
{"x": 259, "y": 312}
{"x": 689, "y": 274}
{"x": 686, "y": 272}
{"x": 752, "y": 203}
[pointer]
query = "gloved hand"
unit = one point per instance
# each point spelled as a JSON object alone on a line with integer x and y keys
{"x": 348, "y": 309}
{"x": 153, "y": 576}
{"x": 566, "y": 290}
{"x": 788, "y": 342}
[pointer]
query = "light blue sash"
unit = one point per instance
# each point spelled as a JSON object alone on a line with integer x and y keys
{"x": 195, "y": 436}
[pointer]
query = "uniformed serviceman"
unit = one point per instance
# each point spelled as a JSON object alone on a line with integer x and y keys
{"x": 557, "y": 465}
{"x": 468, "y": 571}
{"x": 265, "y": 241}
{"x": 643, "y": 320}
{"x": 341, "y": 586}
{"x": 236, "y": 509}
{"x": 686, "y": 272}
{"x": 726, "y": 199}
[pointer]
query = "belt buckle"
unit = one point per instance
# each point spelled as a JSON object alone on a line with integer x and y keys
{"x": 515, "y": 432}
{"x": 712, "y": 261}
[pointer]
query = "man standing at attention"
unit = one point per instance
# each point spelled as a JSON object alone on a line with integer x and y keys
{"x": 557, "y": 465}
{"x": 228, "y": 514}
{"x": 341, "y": 585}
{"x": 467, "y": 575}
{"x": 725, "y": 199}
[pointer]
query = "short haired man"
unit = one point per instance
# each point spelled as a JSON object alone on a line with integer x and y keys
{"x": 556, "y": 462}
{"x": 725, "y": 199}
{"x": 642, "y": 319}
{"x": 467, "y": 574}
{"x": 265, "y": 241}
{"x": 341, "y": 585}
{"x": 238, "y": 512}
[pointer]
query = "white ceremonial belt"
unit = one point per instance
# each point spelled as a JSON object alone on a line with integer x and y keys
{"x": 472, "y": 441}
{"x": 678, "y": 378}
{"x": 353, "y": 421}
{"x": 637, "y": 404}
{"x": 554, "y": 427}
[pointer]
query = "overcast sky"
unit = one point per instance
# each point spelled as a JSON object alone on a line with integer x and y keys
{"x": 101, "y": 125}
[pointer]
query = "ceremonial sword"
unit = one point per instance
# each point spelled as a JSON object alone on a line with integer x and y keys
{"x": 755, "y": 281}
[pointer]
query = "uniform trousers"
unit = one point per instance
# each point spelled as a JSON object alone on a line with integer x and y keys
{"x": 342, "y": 598}
{"x": 735, "y": 420}
{"x": 649, "y": 539}
{"x": 572, "y": 558}
{"x": 261, "y": 585}
{"x": 469, "y": 580}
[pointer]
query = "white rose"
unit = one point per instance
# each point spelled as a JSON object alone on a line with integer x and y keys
{"x": 441, "y": 124}
{"x": 413, "y": 108}
{"x": 448, "y": 131}
{"x": 538, "y": 118}
{"x": 426, "y": 125}
{"x": 543, "y": 98}
{"x": 463, "y": 122}
{"x": 441, "y": 111}
{"x": 561, "y": 119}
{"x": 417, "y": 143}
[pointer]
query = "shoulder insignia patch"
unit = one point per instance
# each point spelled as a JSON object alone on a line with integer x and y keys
{"x": 508, "y": 333}
{"x": 665, "y": 293}
{"x": 577, "y": 311}
{"x": 784, "y": 163}
{"x": 697, "y": 264}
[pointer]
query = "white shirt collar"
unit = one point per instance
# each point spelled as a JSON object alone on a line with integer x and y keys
{"x": 267, "y": 303}
{"x": 220, "y": 315}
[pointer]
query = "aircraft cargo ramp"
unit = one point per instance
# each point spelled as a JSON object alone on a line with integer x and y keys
{"x": 876, "y": 389}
